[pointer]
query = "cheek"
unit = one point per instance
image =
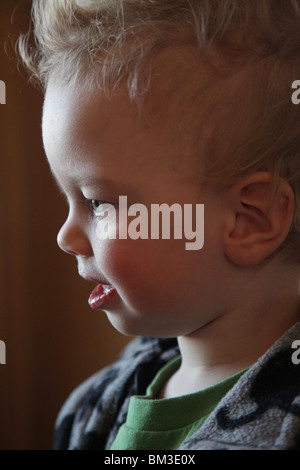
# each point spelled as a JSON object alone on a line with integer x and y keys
{"x": 143, "y": 271}
{"x": 154, "y": 278}
{"x": 128, "y": 264}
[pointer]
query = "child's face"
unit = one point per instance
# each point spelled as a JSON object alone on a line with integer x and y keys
{"x": 100, "y": 150}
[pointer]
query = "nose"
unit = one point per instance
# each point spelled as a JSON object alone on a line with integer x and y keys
{"x": 73, "y": 240}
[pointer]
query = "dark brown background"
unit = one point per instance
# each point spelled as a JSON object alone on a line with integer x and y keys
{"x": 53, "y": 340}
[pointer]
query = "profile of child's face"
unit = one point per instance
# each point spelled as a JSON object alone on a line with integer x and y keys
{"x": 99, "y": 149}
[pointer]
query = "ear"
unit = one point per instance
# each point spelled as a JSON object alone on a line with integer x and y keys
{"x": 258, "y": 220}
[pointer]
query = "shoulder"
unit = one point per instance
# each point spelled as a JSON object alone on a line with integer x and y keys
{"x": 262, "y": 410}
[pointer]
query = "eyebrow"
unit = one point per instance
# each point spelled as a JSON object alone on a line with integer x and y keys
{"x": 93, "y": 182}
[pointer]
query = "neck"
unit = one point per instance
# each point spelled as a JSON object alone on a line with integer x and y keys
{"x": 237, "y": 339}
{"x": 229, "y": 344}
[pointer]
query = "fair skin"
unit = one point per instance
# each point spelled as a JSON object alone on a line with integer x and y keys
{"x": 225, "y": 306}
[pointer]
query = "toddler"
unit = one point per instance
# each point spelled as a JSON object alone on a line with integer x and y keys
{"x": 179, "y": 103}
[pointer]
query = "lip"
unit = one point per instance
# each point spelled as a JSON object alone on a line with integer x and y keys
{"x": 101, "y": 294}
{"x": 96, "y": 280}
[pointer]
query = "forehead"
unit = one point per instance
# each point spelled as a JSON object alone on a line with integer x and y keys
{"x": 81, "y": 123}
{"x": 88, "y": 134}
{"x": 177, "y": 78}
{"x": 76, "y": 117}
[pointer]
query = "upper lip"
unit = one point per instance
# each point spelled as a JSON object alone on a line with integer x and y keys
{"x": 90, "y": 278}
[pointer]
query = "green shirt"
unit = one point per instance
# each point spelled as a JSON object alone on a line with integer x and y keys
{"x": 154, "y": 424}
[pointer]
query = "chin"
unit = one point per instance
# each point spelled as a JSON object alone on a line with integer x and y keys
{"x": 142, "y": 326}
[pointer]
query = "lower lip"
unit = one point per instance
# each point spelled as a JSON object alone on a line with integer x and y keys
{"x": 100, "y": 296}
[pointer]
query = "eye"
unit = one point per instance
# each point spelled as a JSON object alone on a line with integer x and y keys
{"x": 98, "y": 206}
{"x": 95, "y": 204}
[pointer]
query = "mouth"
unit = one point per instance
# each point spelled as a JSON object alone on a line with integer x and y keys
{"x": 101, "y": 294}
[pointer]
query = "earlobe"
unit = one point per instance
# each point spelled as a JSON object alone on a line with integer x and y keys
{"x": 259, "y": 218}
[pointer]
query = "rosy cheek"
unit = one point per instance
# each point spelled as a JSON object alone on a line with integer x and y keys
{"x": 126, "y": 266}
{"x": 116, "y": 260}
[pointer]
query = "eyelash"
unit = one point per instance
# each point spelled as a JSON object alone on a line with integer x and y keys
{"x": 91, "y": 203}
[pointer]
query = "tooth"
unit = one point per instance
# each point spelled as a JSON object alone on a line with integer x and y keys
{"x": 106, "y": 288}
